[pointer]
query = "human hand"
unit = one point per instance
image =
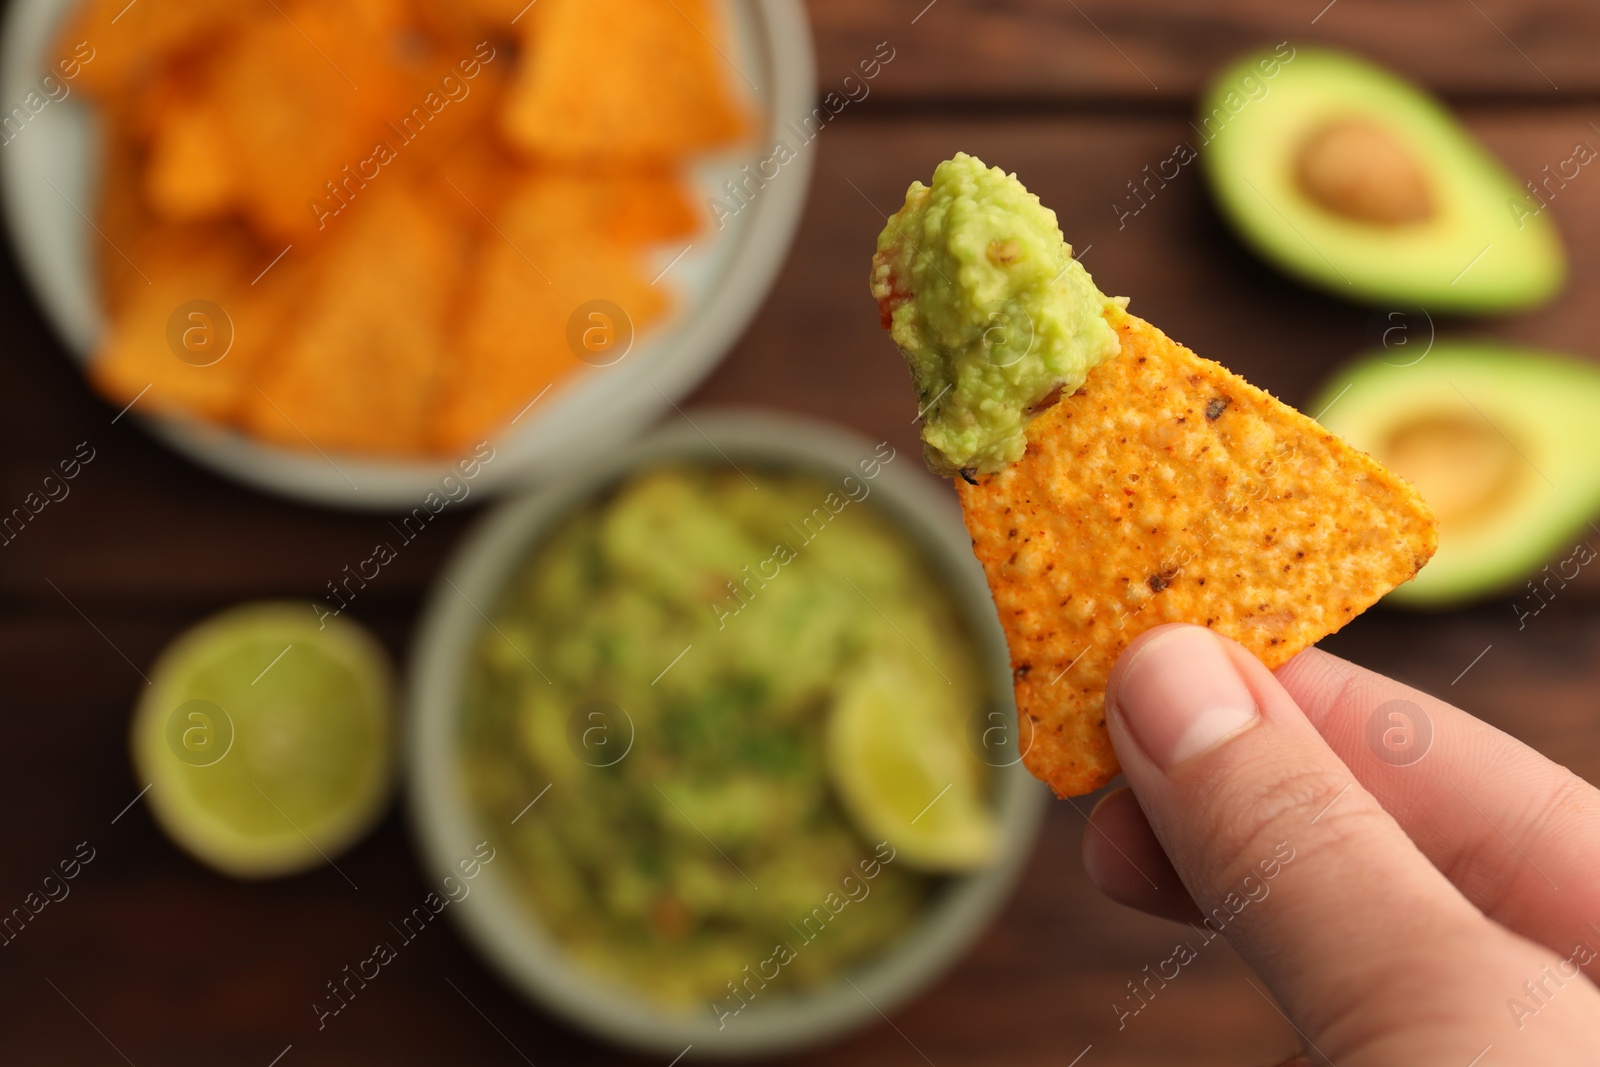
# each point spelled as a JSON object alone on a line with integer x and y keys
{"x": 1442, "y": 911}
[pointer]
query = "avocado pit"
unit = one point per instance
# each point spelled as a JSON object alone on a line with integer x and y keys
{"x": 1359, "y": 170}
{"x": 1463, "y": 468}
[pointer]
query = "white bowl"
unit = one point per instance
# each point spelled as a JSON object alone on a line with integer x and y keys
{"x": 49, "y": 174}
{"x": 509, "y": 934}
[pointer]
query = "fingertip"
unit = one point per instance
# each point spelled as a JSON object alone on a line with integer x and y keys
{"x": 1126, "y": 862}
{"x": 1178, "y": 691}
{"x": 1136, "y": 647}
{"x": 1318, "y": 680}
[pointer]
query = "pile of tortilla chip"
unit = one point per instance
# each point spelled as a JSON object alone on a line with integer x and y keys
{"x": 367, "y": 225}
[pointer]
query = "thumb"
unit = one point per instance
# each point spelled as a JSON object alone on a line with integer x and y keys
{"x": 1372, "y": 952}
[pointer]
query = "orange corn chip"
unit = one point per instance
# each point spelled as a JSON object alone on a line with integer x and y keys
{"x": 188, "y": 176}
{"x": 302, "y": 98}
{"x": 499, "y": 12}
{"x": 121, "y": 216}
{"x": 469, "y": 20}
{"x": 188, "y": 340}
{"x": 531, "y": 284}
{"x": 626, "y": 207}
{"x": 1168, "y": 489}
{"x": 636, "y": 80}
{"x": 447, "y": 114}
{"x": 643, "y": 206}
{"x": 471, "y": 183}
{"x": 138, "y": 112}
{"x": 368, "y": 135}
{"x": 113, "y": 45}
{"x": 358, "y": 370}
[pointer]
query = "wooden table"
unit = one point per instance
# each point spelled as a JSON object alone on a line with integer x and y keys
{"x": 154, "y": 960}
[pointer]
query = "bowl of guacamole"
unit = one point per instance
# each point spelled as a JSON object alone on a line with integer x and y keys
{"x": 731, "y": 712}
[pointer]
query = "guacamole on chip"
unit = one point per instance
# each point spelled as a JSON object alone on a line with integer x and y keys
{"x": 980, "y": 292}
{"x": 1113, "y": 480}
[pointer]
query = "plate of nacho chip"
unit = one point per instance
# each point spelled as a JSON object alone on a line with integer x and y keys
{"x": 329, "y": 247}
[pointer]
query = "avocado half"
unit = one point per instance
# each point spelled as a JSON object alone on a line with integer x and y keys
{"x": 1500, "y": 441}
{"x": 1357, "y": 181}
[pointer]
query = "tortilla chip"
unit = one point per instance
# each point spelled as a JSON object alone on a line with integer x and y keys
{"x": 188, "y": 176}
{"x": 642, "y": 206}
{"x": 303, "y": 101}
{"x": 468, "y": 20}
{"x": 531, "y": 277}
{"x": 136, "y": 358}
{"x": 636, "y": 80}
{"x": 111, "y": 46}
{"x": 366, "y": 134}
{"x": 1169, "y": 489}
{"x": 358, "y": 370}
{"x": 497, "y": 12}
{"x": 626, "y": 207}
{"x": 514, "y": 344}
{"x": 121, "y": 215}
{"x": 472, "y": 183}
{"x": 449, "y": 122}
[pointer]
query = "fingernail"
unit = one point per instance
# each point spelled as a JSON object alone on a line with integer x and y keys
{"x": 1181, "y": 695}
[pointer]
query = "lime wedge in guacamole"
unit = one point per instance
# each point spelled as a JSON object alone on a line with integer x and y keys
{"x": 905, "y": 780}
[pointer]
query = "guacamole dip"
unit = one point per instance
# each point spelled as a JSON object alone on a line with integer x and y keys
{"x": 665, "y": 662}
{"x": 979, "y": 290}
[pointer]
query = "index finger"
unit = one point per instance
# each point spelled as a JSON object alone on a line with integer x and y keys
{"x": 1518, "y": 834}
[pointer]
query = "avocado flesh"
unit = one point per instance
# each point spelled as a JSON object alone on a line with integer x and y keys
{"x": 1479, "y": 246}
{"x": 1499, "y": 440}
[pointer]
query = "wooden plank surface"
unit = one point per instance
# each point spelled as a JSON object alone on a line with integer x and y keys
{"x": 1159, "y": 53}
{"x": 170, "y": 964}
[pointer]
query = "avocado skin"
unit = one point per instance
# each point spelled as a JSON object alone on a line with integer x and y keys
{"x": 1545, "y": 405}
{"x": 1491, "y": 246}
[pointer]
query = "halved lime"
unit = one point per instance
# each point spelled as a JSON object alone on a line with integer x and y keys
{"x": 898, "y": 761}
{"x": 267, "y": 738}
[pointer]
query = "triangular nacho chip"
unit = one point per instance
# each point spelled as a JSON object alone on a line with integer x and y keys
{"x": 302, "y": 104}
{"x": 359, "y": 369}
{"x": 635, "y": 80}
{"x": 1168, "y": 489}
{"x": 186, "y": 178}
{"x": 530, "y": 283}
{"x": 188, "y": 331}
{"x": 108, "y": 48}
{"x": 121, "y": 215}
